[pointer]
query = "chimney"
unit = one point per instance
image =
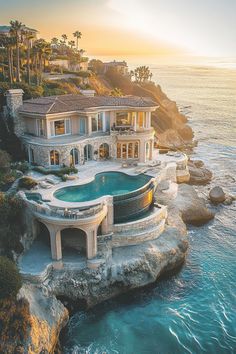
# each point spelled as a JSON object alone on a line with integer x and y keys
{"x": 14, "y": 98}
{"x": 88, "y": 93}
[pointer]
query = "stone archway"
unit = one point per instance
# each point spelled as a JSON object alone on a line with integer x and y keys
{"x": 43, "y": 234}
{"x": 74, "y": 241}
{"x": 104, "y": 151}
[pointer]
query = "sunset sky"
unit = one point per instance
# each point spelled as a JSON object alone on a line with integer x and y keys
{"x": 139, "y": 27}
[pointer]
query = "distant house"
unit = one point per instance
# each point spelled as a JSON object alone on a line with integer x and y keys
{"x": 67, "y": 64}
{"x": 5, "y": 30}
{"x": 120, "y": 66}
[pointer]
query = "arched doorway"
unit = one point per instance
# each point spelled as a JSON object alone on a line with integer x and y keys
{"x": 43, "y": 234}
{"x": 73, "y": 242}
{"x": 88, "y": 152}
{"x": 104, "y": 151}
{"x": 74, "y": 157}
{"x": 54, "y": 158}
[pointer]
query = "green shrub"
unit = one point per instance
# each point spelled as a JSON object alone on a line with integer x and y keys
{"x": 64, "y": 178}
{"x": 21, "y": 166}
{"x": 27, "y": 183}
{"x": 5, "y": 161}
{"x": 11, "y": 223}
{"x": 10, "y": 278}
{"x": 59, "y": 172}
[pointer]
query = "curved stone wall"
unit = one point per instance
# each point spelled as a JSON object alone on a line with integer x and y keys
{"x": 131, "y": 206}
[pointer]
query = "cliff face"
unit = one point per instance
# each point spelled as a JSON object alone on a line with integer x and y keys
{"x": 170, "y": 125}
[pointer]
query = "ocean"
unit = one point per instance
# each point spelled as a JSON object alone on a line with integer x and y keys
{"x": 193, "y": 311}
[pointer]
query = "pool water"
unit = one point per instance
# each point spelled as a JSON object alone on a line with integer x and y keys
{"x": 106, "y": 183}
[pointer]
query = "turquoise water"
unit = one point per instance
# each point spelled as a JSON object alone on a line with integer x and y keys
{"x": 106, "y": 183}
{"x": 195, "y": 310}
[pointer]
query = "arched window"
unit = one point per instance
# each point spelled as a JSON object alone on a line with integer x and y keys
{"x": 104, "y": 151}
{"x": 88, "y": 152}
{"x": 74, "y": 157}
{"x": 54, "y": 158}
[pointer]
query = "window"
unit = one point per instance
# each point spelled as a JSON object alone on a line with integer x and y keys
{"x": 136, "y": 150}
{"x": 118, "y": 151}
{"x": 140, "y": 119}
{"x": 74, "y": 157}
{"x": 60, "y": 127}
{"x": 123, "y": 118}
{"x": 97, "y": 123}
{"x": 127, "y": 150}
{"x": 130, "y": 150}
{"x": 40, "y": 127}
{"x": 54, "y": 158}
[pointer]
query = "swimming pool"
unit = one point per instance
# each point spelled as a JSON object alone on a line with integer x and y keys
{"x": 105, "y": 183}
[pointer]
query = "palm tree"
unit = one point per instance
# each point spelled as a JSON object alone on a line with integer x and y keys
{"x": 28, "y": 36}
{"x": 71, "y": 44}
{"x": 42, "y": 50}
{"x": 16, "y": 31}
{"x": 8, "y": 43}
{"x": 64, "y": 37}
{"x": 54, "y": 41}
{"x": 77, "y": 35}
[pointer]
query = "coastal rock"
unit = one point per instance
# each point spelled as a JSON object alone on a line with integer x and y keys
{"x": 192, "y": 208}
{"x": 199, "y": 174}
{"x": 48, "y": 317}
{"x": 131, "y": 267}
{"x": 217, "y": 195}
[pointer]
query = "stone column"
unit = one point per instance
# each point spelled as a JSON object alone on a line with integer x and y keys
{"x": 89, "y": 125}
{"x": 149, "y": 122}
{"x": 142, "y": 151}
{"x": 91, "y": 243}
{"x": 55, "y": 240}
{"x": 104, "y": 226}
{"x": 104, "y": 122}
{"x": 135, "y": 121}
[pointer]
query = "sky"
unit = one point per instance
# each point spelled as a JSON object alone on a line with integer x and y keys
{"x": 133, "y": 27}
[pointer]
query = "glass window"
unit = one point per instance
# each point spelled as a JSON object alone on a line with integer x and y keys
{"x": 59, "y": 126}
{"x": 124, "y": 151}
{"x": 99, "y": 121}
{"x": 130, "y": 150}
{"x": 123, "y": 118}
{"x": 94, "y": 124}
{"x": 54, "y": 158}
{"x": 118, "y": 151}
{"x": 141, "y": 119}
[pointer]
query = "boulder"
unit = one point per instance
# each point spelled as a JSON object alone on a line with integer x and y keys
{"x": 217, "y": 195}
{"x": 164, "y": 185}
{"x": 199, "y": 175}
{"x": 191, "y": 207}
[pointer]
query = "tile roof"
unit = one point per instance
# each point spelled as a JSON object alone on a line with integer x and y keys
{"x": 72, "y": 103}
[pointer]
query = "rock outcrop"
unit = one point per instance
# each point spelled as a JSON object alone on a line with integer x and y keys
{"x": 217, "y": 195}
{"x": 131, "y": 267}
{"x": 199, "y": 174}
{"x": 48, "y": 317}
{"x": 192, "y": 208}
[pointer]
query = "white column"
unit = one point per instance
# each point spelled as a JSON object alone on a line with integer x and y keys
{"x": 135, "y": 121}
{"x": 104, "y": 122}
{"x": 55, "y": 240}
{"x": 89, "y": 129}
{"x": 149, "y": 119}
{"x": 91, "y": 243}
